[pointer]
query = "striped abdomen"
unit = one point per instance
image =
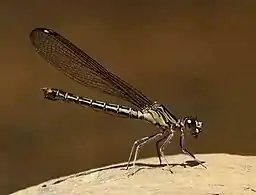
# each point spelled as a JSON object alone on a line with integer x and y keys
{"x": 118, "y": 110}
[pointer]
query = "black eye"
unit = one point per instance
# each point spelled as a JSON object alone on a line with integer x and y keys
{"x": 190, "y": 125}
{"x": 191, "y": 122}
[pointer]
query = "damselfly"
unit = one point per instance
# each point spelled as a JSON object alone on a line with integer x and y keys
{"x": 80, "y": 67}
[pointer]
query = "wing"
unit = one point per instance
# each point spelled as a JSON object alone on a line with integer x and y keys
{"x": 80, "y": 67}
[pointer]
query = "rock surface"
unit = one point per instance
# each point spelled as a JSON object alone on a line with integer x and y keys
{"x": 225, "y": 174}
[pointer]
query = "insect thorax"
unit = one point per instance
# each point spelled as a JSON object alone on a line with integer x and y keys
{"x": 158, "y": 115}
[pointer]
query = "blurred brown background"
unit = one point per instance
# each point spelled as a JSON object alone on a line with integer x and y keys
{"x": 197, "y": 58}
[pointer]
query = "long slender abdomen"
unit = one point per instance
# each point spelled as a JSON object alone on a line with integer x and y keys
{"x": 113, "y": 109}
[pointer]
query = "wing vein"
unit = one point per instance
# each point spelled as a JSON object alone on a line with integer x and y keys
{"x": 80, "y": 67}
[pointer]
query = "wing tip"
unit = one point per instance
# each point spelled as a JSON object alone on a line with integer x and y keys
{"x": 35, "y": 31}
{"x": 38, "y": 32}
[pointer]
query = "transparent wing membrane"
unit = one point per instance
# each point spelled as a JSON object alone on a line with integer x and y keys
{"x": 80, "y": 67}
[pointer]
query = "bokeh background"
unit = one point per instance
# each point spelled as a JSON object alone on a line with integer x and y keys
{"x": 196, "y": 57}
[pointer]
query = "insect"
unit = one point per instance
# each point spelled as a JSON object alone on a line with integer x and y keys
{"x": 77, "y": 65}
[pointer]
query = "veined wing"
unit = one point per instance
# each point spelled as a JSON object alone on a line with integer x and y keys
{"x": 80, "y": 67}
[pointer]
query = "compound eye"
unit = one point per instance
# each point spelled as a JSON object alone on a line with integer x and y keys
{"x": 193, "y": 126}
{"x": 191, "y": 123}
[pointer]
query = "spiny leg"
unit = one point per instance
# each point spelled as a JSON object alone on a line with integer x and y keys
{"x": 167, "y": 141}
{"x": 158, "y": 148}
{"x": 150, "y": 138}
{"x": 185, "y": 151}
{"x": 133, "y": 147}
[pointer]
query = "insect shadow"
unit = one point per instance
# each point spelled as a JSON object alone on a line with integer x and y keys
{"x": 189, "y": 163}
